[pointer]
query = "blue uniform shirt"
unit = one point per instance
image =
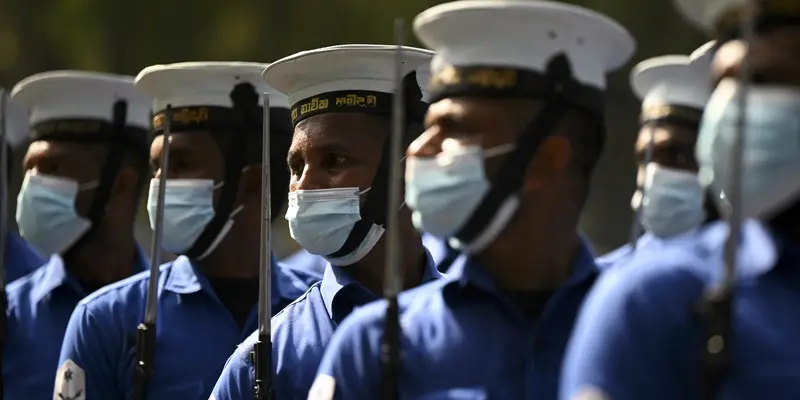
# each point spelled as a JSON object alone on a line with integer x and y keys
{"x": 462, "y": 338}
{"x": 304, "y": 261}
{"x": 624, "y": 253}
{"x": 195, "y": 334}
{"x": 20, "y": 257}
{"x": 39, "y": 306}
{"x": 436, "y": 247}
{"x": 638, "y": 338}
{"x": 315, "y": 265}
{"x": 300, "y": 334}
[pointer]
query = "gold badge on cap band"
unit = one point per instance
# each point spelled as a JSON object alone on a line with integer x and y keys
{"x": 183, "y": 115}
{"x": 661, "y": 111}
{"x": 489, "y": 78}
{"x": 362, "y": 101}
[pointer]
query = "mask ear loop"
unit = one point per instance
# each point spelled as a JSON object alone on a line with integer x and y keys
{"x": 636, "y": 224}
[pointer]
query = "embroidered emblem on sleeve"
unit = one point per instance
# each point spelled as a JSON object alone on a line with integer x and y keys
{"x": 70, "y": 382}
{"x": 323, "y": 388}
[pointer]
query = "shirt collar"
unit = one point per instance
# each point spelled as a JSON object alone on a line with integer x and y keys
{"x": 186, "y": 278}
{"x": 54, "y": 275}
{"x": 758, "y": 250}
{"x": 51, "y": 276}
{"x": 647, "y": 242}
{"x": 468, "y": 271}
{"x": 341, "y": 293}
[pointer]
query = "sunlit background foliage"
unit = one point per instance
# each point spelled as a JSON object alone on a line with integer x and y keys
{"x": 124, "y": 36}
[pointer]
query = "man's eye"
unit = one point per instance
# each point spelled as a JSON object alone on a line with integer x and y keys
{"x": 335, "y": 160}
{"x": 296, "y": 167}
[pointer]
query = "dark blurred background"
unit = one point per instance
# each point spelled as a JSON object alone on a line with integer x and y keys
{"x": 124, "y": 36}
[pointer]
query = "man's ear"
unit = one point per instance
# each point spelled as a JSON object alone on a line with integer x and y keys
{"x": 550, "y": 161}
{"x": 126, "y": 185}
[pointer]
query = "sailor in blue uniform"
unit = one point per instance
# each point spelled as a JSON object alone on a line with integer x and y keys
{"x": 670, "y": 202}
{"x": 207, "y": 297}
{"x": 515, "y": 129}
{"x": 341, "y": 100}
{"x": 19, "y": 258}
{"x": 85, "y": 170}
{"x": 645, "y": 331}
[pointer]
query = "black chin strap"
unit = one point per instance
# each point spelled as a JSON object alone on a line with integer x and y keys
{"x": 111, "y": 168}
{"x": 374, "y": 210}
{"x": 246, "y": 106}
{"x": 509, "y": 179}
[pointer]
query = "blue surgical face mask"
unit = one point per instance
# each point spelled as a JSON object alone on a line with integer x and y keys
{"x": 672, "y": 201}
{"x": 770, "y": 178}
{"x": 188, "y": 208}
{"x": 443, "y": 191}
{"x": 320, "y": 220}
{"x": 46, "y": 214}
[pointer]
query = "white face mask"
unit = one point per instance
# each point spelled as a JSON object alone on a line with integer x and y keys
{"x": 188, "y": 209}
{"x": 320, "y": 220}
{"x": 46, "y": 214}
{"x": 672, "y": 202}
{"x": 770, "y": 178}
{"x": 443, "y": 191}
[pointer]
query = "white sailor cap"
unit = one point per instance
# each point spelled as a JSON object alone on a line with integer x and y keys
{"x": 714, "y": 16}
{"x": 704, "y": 55}
{"x": 191, "y": 84}
{"x": 495, "y": 44}
{"x": 667, "y": 83}
{"x": 200, "y": 93}
{"x": 346, "y": 78}
{"x": 16, "y": 120}
{"x": 70, "y": 95}
{"x": 424, "y": 80}
{"x": 704, "y": 14}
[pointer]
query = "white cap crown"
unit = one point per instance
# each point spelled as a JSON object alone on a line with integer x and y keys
{"x": 189, "y": 84}
{"x": 671, "y": 80}
{"x": 15, "y": 120}
{"x": 59, "y": 95}
{"x": 345, "y": 67}
{"x": 359, "y": 67}
{"x": 524, "y": 35}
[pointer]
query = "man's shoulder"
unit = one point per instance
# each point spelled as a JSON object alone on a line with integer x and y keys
{"x": 614, "y": 257}
{"x": 412, "y": 304}
{"x": 650, "y": 284}
{"x": 243, "y": 350}
{"x": 122, "y": 292}
{"x": 294, "y": 311}
{"x": 294, "y": 281}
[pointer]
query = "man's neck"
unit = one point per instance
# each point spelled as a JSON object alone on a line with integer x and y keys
{"x": 232, "y": 258}
{"x": 533, "y": 262}
{"x": 98, "y": 261}
{"x": 371, "y": 270}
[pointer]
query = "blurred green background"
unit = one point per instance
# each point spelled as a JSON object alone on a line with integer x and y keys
{"x": 124, "y": 36}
